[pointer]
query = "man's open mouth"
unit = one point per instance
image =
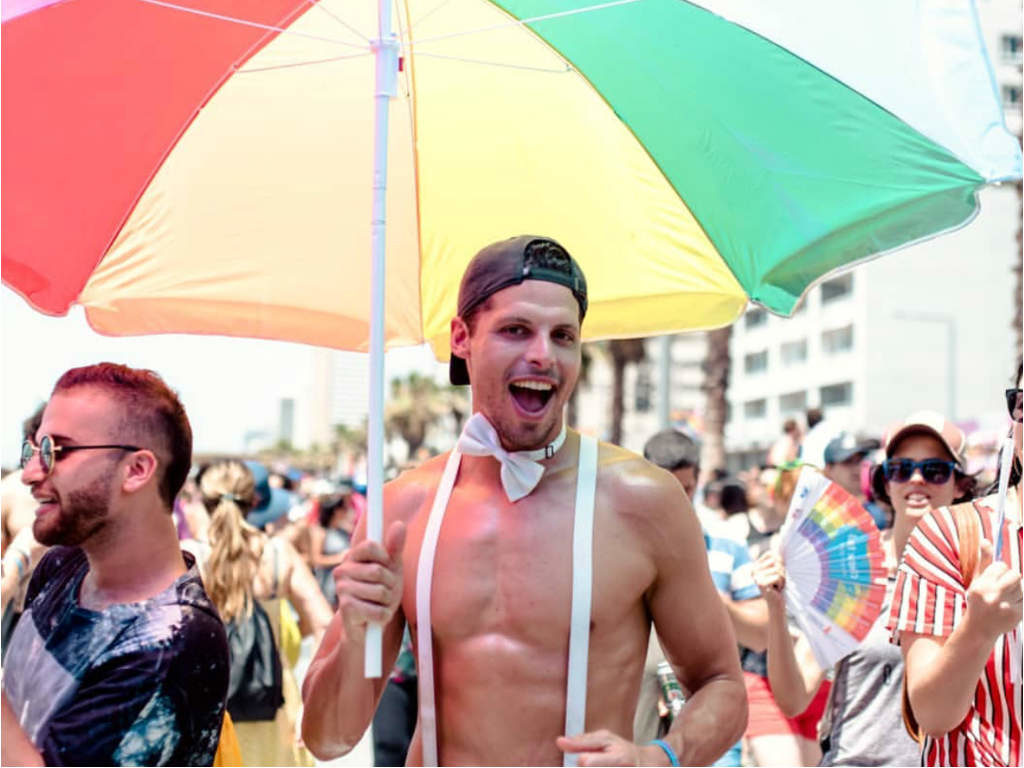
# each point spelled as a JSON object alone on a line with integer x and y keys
{"x": 531, "y": 396}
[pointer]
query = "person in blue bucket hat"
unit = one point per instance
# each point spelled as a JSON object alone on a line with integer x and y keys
{"x": 271, "y": 503}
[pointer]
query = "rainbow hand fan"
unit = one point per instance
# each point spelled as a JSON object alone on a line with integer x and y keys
{"x": 835, "y": 567}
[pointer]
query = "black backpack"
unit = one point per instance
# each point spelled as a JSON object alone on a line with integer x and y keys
{"x": 254, "y": 686}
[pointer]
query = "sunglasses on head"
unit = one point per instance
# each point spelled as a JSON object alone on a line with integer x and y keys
{"x": 48, "y": 451}
{"x": 1013, "y": 404}
{"x": 935, "y": 471}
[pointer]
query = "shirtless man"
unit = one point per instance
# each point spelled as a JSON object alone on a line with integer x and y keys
{"x": 502, "y": 578}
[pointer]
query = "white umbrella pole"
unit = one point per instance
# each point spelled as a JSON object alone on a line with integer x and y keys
{"x": 386, "y": 52}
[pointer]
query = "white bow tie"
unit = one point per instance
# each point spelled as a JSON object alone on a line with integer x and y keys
{"x": 520, "y": 470}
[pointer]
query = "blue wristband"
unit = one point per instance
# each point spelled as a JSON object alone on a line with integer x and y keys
{"x": 667, "y": 750}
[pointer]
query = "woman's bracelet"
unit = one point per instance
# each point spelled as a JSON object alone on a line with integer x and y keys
{"x": 667, "y": 750}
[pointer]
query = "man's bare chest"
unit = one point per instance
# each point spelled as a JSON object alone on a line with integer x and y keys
{"x": 506, "y": 570}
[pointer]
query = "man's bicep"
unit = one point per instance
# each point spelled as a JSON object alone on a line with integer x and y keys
{"x": 688, "y": 612}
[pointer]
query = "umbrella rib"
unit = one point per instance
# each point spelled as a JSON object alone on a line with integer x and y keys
{"x": 323, "y": 7}
{"x": 430, "y": 13}
{"x": 566, "y": 68}
{"x": 247, "y": 23}
{"x": 310, "y": 62}
{"x": 520, "y": 22}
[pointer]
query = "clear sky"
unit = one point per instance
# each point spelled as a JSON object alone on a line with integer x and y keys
{"x": 228, "y": 386}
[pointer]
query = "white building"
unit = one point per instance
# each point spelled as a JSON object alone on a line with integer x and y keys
{"x": 339, "y": 394}
{"x": 926, "y": 327}
{"x": 1001, "y": 28}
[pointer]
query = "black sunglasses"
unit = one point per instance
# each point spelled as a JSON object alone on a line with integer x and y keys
{"x": 48, "y": 451}
{"x": 934, "y": 471}
{"x": 1013, "y": 404}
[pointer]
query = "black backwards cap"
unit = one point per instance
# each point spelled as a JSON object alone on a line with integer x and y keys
{"x": 510, "y": 262}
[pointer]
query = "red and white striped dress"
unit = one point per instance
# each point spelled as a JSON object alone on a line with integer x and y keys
{"x": 930, "y": 599}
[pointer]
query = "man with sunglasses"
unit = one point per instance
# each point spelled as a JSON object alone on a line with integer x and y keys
{"x": 956, "y": 615}
{"x": 119, "y": 658}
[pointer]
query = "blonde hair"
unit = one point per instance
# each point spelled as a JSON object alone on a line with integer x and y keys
{"x": 785, "y": 484}
{"x": 228, "y": 493}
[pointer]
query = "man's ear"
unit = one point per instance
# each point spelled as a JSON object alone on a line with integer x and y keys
{"x": 459, "y": 339}
{"x": 140, "y": 469}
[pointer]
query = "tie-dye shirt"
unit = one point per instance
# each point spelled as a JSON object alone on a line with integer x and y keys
{"x": 134, "y": 684}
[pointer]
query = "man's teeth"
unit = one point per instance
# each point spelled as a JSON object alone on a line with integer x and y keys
{"x": 540, "y": 386}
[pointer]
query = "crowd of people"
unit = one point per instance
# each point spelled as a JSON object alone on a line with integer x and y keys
{"x": 545, "y": 598}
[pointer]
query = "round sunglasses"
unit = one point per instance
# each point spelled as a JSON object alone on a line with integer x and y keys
{"x": 934, "y": 471}
{"x": 1013, "y": 404}
{"x": 48, "y": 451}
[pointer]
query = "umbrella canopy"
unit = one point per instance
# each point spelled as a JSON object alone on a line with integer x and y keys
{"x": 205, "y": 166}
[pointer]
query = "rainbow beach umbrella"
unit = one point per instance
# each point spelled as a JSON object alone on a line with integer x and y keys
{"x": 206, "y": 166}
{"x": 265, "y": 167}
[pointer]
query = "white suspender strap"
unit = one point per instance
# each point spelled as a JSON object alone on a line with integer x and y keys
{"x": 425, "y": 637}
{"x": 579, "y": 629}
{"x": 582, "y": 584}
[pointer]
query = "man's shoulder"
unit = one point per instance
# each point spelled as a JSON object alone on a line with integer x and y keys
{"x": 407, "y": 492}
{"x": 55, "y": 568}
{"x": 181, "y": 617}
{"x": 631, "y": 476}
{"x": 60, "y": 559}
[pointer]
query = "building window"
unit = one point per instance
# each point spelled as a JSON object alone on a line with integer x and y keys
{"x": 756, "y": 362}
{"x": 836, "y": 288}
{"x": 1010, "y": 48}
{"x": 837, "y": 394}
{"x": 837, "y": 340}
{"x": 754, "y": 318}
{"x": 793, "y": 402}
{"x": 755, "y": 409}
{"x": 793, "y": 352}
{"x": 1011, "y": 96}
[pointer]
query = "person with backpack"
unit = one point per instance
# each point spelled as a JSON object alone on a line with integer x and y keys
{"x": 923, "y": 470}
{"x": 251, "y": 578}
{"x": 957, "y": 613}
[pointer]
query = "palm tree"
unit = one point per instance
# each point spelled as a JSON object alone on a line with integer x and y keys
{"x": 417, "y": 403}
{"x": 348, "y": 439}
{"x": 623, "y": 352}
{"x": 717, "y": 363}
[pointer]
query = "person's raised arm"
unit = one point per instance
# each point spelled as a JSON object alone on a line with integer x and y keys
{"x": 339, "y": 701}
{"x": 317, "y": 558}
{"x": 793, "y": 672}
{"x": 749, "y": 619}
{"x": 943, "y": 672}
{"x": 304, "y": 593}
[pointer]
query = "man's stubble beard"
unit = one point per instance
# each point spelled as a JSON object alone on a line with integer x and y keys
{"x": 517, "y": 436}
{"x": 82, "y": 514}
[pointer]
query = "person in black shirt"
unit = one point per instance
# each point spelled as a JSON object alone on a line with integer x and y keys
{"x": 120, "y": 657}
